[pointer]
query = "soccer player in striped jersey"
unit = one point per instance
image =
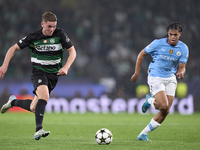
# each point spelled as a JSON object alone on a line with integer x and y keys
{"x": 46, "y": 47}
{"x": 168, "y": 54}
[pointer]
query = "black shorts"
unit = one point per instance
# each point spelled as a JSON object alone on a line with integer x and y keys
{"x": 44, "y": 79}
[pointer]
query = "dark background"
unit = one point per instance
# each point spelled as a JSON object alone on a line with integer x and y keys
{"x": 107, "y": 34}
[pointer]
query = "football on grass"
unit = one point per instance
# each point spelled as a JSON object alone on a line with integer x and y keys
{"x": 103, "y": 136}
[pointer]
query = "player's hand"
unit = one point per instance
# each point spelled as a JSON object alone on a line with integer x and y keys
{"x": 180, "y": 75}
{"x": 62, "y": 72}
{"x": 2, "y": 72}
{"x": 134, "y": 77}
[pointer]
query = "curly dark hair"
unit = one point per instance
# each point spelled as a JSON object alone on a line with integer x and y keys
{"x": 174, "y": 26}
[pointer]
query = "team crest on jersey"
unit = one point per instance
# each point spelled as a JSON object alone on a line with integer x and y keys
{"x": 52, "y": 40}
{"x": 178, "y": 53}
{"x": 171, "y": 51}
{"x": 45, "y": 41}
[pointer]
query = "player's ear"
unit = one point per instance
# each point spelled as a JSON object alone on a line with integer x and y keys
{"x": 42, "y": 23}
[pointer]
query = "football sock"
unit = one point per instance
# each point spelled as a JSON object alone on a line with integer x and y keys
{"x": 39, "y": 113}
{"x": 150, "y": 127}
{"x": 150, "y": 101}
{"x": 25, "y": 104}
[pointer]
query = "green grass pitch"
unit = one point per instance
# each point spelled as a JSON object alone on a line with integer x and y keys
{"x": 77, "y": 131}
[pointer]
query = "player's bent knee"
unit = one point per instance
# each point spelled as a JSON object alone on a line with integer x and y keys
{"x": 32, "y": 108}
{"x": 163, "y": 107}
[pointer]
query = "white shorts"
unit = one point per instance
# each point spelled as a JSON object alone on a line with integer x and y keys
{"x": 157, "y": 84}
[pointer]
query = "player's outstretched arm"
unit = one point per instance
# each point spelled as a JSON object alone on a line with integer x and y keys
{"x": 7, "y": 59}
{"x": 138, "y": 65}
{"x": 72, "y": 55}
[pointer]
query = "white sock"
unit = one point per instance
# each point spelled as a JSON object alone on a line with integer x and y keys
{"x": 150, "y": 127}
{"x": 150, "y": 101}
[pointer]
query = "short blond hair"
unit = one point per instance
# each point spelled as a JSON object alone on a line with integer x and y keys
{"x": 49, "y": 16}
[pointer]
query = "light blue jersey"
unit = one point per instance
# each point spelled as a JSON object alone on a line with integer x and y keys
{"x": 166, "y": 57}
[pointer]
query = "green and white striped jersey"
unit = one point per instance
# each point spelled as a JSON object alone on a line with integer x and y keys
{"x": 46, "y": 51}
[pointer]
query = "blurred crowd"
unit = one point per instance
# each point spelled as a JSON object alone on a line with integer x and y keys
{"x": 107, "y": 34}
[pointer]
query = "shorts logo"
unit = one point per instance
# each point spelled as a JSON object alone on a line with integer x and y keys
{"x": 40, "y": 80}
{"x": 171, "y": 51}
{"x": 156, "y": 87}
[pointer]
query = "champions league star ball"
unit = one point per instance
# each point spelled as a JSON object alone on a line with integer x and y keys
{"x": 103, "y": 136}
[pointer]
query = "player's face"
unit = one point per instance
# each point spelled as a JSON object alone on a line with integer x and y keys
{"x": 48, "y": 27}
{"x": 173, "y": 37}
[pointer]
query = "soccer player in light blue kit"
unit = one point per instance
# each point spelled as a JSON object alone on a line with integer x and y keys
{"x": 168, "y": 54}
